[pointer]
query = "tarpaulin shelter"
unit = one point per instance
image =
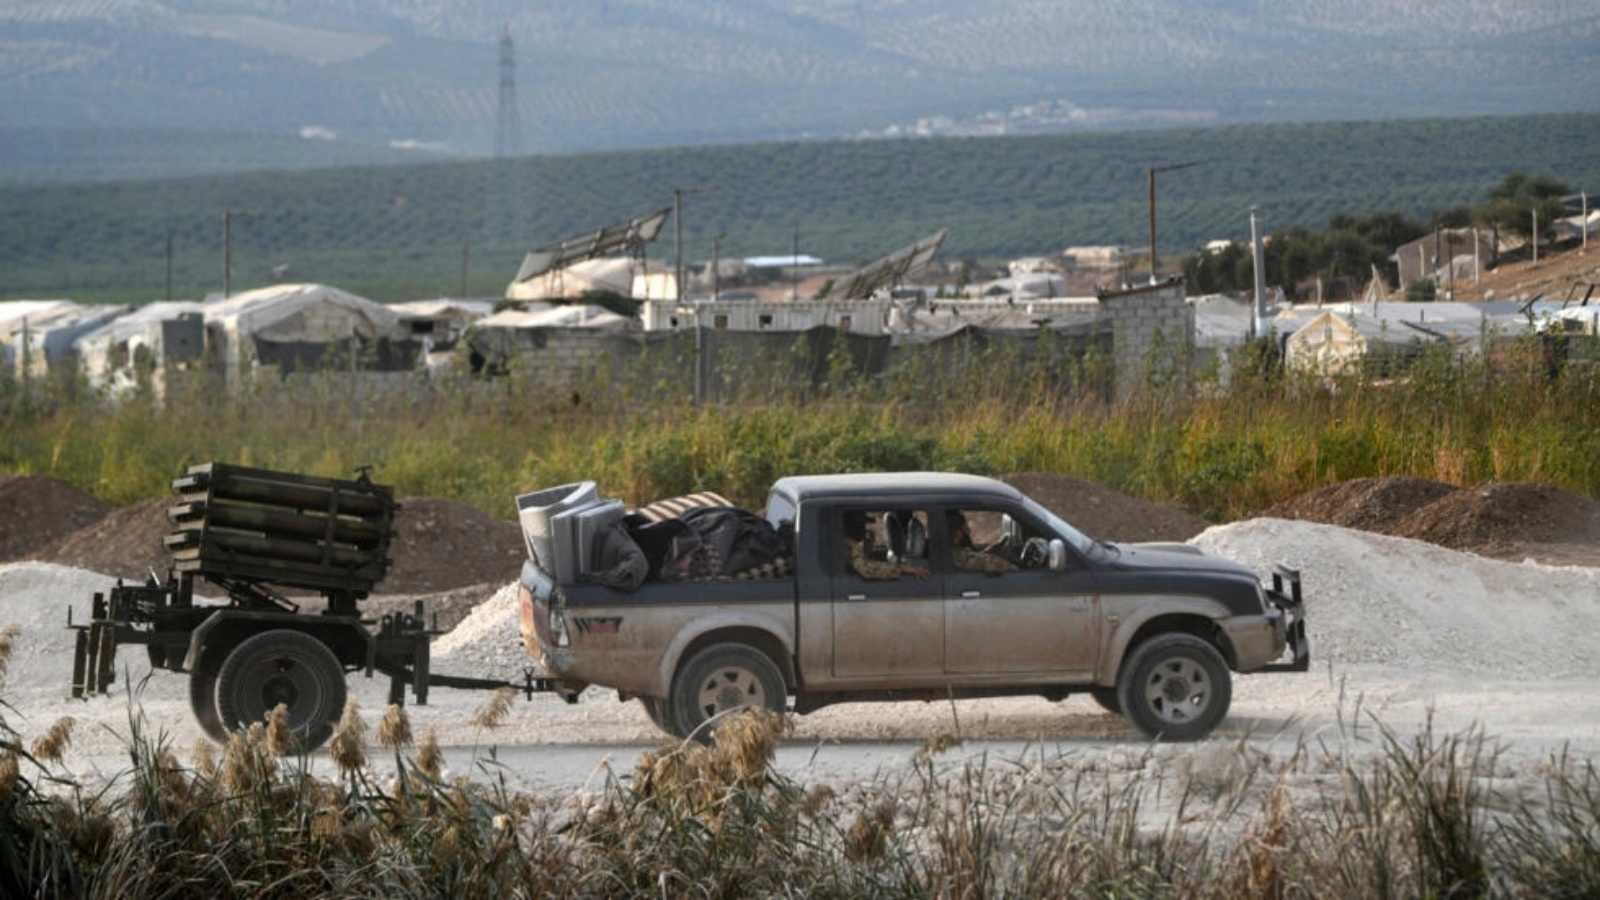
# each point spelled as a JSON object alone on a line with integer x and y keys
{"x": 298, "y": 327}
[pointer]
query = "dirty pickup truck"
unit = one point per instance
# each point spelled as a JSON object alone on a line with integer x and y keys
{"x": 896, "y": 586}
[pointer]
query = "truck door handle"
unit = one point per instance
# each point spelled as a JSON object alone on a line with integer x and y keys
{"x": 855, "y": 596}
{"x": 971, "y": 595}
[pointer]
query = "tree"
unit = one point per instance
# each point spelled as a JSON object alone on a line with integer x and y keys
{"x": 1513, "y": 202}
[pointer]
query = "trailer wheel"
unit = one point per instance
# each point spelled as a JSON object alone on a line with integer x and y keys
{"x": 718, "y": 680}
{"x": 288, "y": 667}
{"x": 203, "y": 703}
{"x": 1175, "y": 687}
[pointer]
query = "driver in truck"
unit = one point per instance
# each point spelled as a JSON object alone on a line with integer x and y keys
{"x": 963, "y": 555}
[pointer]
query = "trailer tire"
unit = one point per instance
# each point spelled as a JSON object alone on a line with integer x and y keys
{"x": 1175, "y": 687}
{"x": 288, "y": 667}
{"x": 718, "y": 680}
{"x": 203, "y": 703}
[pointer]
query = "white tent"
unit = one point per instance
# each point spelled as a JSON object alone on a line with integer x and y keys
{"x": 151, "y": 335}
{"x": 625, "y": 276}
{"x": 41, "y": 333}
{"x": 295, "y": 326}
{"x": 564, "y": 316}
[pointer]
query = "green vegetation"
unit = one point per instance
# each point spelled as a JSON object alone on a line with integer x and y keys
{"x": 1343, "y": 254}
{"x": 1421, "y": 817}
{"x": 407, "y": 232}
{"x": 1222, "y": 450}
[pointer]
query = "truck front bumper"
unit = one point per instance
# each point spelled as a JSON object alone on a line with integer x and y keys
{"x": 1286, "y": 596}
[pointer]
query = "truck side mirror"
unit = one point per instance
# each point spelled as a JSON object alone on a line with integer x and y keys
{"x": 1058, "y": 555}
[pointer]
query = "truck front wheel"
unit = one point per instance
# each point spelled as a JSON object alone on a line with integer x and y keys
{"x": 287, "y": 667}
{"x": 1176, "y": 687}
{"x": 718, "y": 680}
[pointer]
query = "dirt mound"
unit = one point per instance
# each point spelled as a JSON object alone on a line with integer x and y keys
{"x": 124, "y": 543}
{"x": 442, "y": 545}
{"x": 1506, "y": 521}
{"x": 439, "y": 545}
{"x": 1106, "y": 514}
{"x": 40, "y": 510}
{"x": 1511, "y": 521}
{"x": 1370, "y": 504}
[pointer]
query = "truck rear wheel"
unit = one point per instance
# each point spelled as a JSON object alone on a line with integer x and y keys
{"x": 1175, "y": 687}
{"x": 1106, "y": 698}
{"x": 287, "y": 667}
{"x": 659, "y": 712}
{"x": 718, "y": 680}
{"x": 203, "y": 703}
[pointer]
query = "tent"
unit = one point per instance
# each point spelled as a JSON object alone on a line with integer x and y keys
{"x": 620, "y": 275}
{"x": 307, "y": 326}
{"x": 41, "y": 333}
{"x": 147, "y": 338}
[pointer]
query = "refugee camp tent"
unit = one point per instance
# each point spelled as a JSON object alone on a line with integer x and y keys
{"x": 39, "y": 334}
{"x": 438, "y": 325}
{"x": 498, "y": 339}
{"x": 300, "y": 327}
{"x": 1382, "y": 337}
{"x": 624, "y": 276}
{"x": 143, "y": 341}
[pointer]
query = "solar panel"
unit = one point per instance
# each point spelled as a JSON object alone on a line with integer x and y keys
{"x": 891, "y": 270}
{"x": 633, "y": 233}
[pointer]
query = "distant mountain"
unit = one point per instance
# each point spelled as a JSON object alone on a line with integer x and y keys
{"x": 342, "y": 80}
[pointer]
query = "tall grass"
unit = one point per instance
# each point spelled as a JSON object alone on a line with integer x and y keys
{"x": 1419, "y": 816}
{"x": 1223, "y": 450}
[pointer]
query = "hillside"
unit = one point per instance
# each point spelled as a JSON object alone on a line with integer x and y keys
{"x": 638, "y": 73}
{"x": 402, "y": 232}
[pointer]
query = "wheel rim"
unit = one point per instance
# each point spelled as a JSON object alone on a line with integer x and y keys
{"x": 284, "y": 679}
{"x": 1179, "y": 690}
{"x": 728, "y": 689}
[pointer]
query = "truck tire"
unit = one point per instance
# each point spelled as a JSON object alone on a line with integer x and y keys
{"x": 1107, "y": 699}
{"x": 1175, "y": 687}
{"x": 203, "y": 703}
{"x": 718, "y": 680}
{"x": 657, "y": 709}
{"x": 288, "y": 667}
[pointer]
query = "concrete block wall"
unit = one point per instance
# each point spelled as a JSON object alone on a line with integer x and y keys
{"x": 1154, "y": 337}
{"x": 1152, "y": 346}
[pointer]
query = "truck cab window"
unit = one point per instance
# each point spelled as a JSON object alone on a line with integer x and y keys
{"x": 886, "y": 544}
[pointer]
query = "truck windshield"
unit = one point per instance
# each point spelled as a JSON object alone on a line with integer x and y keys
{"x": 1075, "y": 538}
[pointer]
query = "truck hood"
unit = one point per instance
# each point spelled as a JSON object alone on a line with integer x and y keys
{"x": 1182, "y": 569}
{"x": 1164, "y": 555}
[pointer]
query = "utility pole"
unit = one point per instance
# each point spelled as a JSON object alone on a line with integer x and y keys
{"x": 677, "y": 235}
{"x": 1258, "y": 321}
{"x": 228, "y": 216}
{"x": 716, "y": 267}
{"x": 1154, "y": 265}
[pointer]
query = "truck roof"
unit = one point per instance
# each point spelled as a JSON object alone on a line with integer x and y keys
{"x": 892, "y": 484}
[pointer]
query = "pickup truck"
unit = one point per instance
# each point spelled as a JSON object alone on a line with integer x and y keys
{"x": 909, "y": 586}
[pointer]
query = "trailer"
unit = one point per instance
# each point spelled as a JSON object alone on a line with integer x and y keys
{"x": 263, "y": 537}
